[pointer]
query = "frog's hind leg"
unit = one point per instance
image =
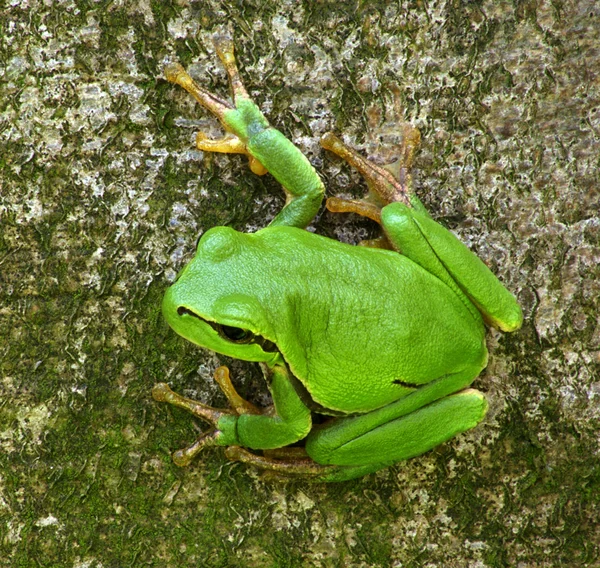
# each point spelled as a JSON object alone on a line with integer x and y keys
{"x": 350, "y": 447}
{"x": 403, "y": 438}
{"x": 408, "y": 427}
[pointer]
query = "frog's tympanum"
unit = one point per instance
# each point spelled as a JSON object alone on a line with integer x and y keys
{"x": 368, "y": 351}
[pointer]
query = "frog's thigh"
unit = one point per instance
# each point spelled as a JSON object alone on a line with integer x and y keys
{"x": 402, "y": 438}
{"x": 404, "y": 428}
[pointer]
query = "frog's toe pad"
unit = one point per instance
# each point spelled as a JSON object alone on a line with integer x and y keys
{"x": 161, "y": 392}
{"x": 184, "y": 457}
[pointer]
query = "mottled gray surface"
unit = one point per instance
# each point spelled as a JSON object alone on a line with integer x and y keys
{"x": 102, "y": 198}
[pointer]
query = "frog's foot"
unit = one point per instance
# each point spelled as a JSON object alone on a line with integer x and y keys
{"x": 286, "y": 464}
{"x": 279, "y": 426}
{"x": 161, "y": 392}
{"x": 229, "y": 144}
{"x": 363, "y": 208}
{"x": 218, "y": 418}
{"x": 185, "y": 456}
{"x": 389, "y": 183}
{"x": 358, "y": 206}
{"x": 175, "y": 73}
{"x": 224, "y": 47}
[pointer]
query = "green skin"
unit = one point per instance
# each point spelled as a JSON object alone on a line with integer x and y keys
{"x": 383, "y": 342}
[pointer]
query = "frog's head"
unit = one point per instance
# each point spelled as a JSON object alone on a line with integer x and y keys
{"x": 216, "y": 301}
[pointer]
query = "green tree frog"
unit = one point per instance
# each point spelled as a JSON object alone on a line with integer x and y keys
{"x": 368, "y": 351}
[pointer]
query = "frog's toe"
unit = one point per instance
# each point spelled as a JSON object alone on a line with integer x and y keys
{"x": 174, "y": 72}
{"x": 294, "y": 467}
{"x": 163, "y": 393}
{"x": 185, "y": 456}
{"x": 238, "y": 404}
{"x": 228, "y": 144}
{"x": 358, "y": 206}
{"x": 160, "y": 392}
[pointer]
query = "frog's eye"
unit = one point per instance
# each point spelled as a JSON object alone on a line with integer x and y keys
{"x": 236, "y": 334}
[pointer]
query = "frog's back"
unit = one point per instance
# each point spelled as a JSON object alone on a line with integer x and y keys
{"x": 364, "y": 326}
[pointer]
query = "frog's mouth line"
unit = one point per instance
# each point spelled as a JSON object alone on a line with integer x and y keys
{"x": 233, "y": 334}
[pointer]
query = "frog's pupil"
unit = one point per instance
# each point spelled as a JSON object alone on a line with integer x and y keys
{"x": 235, "y": 333}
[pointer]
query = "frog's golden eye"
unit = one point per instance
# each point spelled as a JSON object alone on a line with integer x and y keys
{"x": 236, "y": 334}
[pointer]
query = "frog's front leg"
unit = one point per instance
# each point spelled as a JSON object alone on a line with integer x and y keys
{"x": 268, "y": 149}
{"x": 245, "y": 425}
